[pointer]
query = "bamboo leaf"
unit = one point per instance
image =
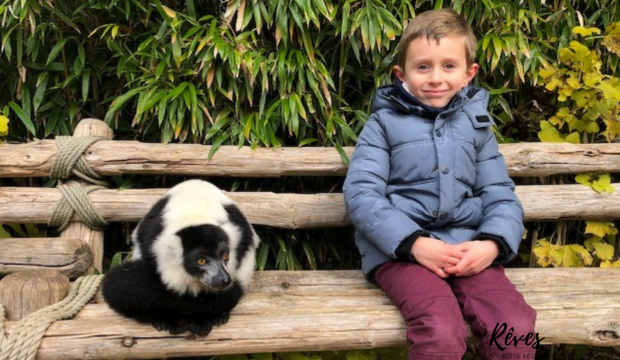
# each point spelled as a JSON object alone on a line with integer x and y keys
{"x": 310, "y": 254}
{"x": 39, "y": 94}
{"x": 24, "y": 117}
{"x": 56, "y": 50}
{"x": 85, "y": 85}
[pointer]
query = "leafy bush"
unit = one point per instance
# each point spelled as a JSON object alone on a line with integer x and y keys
{"x": 262, "y": 73}
{"x": 589, "y": 113}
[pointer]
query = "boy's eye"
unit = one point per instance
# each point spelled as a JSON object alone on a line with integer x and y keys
{"x": 450, "y": 66}
{"x": 422, "y": 67}
{"x": 201, "y": 261}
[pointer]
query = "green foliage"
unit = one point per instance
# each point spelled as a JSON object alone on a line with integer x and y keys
{"x": 598, "y": 182}
{"x": 588, "y": 113}
{"x": 259, "y": 73}
{"x": 19, "y": 231}
{"x": 591, "y": 96}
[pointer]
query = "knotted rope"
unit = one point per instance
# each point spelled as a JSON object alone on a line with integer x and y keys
{"x": 75, "y": 199}
{"x": 70, "y": 161}
{"x": 24, "y": 341}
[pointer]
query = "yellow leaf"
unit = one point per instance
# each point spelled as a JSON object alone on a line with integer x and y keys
{"x": 566, "y": 55}
{"x": 571, "y": 259}
{"x": 604, "y": 251}
{"x": 541, "y": 251}
{"x": 584, "y": 179}
{"x": 612, "y": 130}
{"x": 4, "y": 125}
{"x": 573, "y": 138}
{"x": 609, "y": 264}
{"x": 553, "y": 84}
{"x": 547, "y": 72}
{"x": 601, "y": 228}
{"x": 549, "y": 133}
{"x": 558, "y": 254}
{"x": 609, "y": 90}
{"x": 589, "y": 244}
{"x": 603, "y": 184}
{"x": 592, "y": 128}
{"x": 612, "y": 39}
{"x": 573, "y": 82}
{"x": 171, "y": 13}
{"x": 581, "y": 253}
{"x": 586, "y": 31}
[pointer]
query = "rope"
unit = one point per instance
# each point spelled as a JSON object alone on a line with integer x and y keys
{"x": 24, "y": 341}
{"x": 70, "y": 160}
{"x": 75, "y": 200}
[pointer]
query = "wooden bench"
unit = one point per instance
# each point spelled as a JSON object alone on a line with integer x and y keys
{"x": 294, "y": 310}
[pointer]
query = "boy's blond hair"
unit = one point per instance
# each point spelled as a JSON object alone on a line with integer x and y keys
{"x": 436, "y": 24}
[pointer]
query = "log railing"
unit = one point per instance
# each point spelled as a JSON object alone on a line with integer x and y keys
{"x": 295, "y": 211}
{"x": 111, "y": 158}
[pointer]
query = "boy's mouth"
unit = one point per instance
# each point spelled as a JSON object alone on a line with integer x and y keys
{"x": 435, "y": 93}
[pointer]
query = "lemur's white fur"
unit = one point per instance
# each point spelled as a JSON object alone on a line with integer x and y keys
{"x": 190, "y": 203}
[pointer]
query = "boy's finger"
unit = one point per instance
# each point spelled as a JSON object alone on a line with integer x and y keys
{"x": 453, "y": 270}
{"x": 452, "y": 260}
{"x": 440, "y": 272}
{"x": 455, "y": 252}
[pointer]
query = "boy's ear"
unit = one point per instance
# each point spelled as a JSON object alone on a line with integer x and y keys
{"x": 471, "y": 72}
{"x": 400, "y": 74}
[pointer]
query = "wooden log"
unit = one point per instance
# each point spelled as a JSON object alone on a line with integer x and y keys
{"x": 111, "y": 158}
{"x": 294, "y": 211}
{"x": 70, "y": 257}
{"x": 79, "y": 230}
{"x": 335, "y": 310}
{"x": 25, "y": 292}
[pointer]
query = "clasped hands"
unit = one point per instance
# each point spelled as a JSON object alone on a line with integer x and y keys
{"x": 465, "y": 259}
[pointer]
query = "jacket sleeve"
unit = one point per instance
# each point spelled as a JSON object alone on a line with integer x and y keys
{"x": 364, "y": 192}
{"x": 502, "y": 212}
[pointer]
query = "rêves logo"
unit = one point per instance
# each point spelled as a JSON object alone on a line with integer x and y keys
{"x": 502, "y": 341}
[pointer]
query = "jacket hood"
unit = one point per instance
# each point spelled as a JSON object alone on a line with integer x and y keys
{"x": 387, "y": 98}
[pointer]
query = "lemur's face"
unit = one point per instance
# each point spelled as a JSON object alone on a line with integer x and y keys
{"x": 206, "y": 254}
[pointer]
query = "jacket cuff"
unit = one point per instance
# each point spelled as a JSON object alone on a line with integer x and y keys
{"x": 403, "y": 251}
{"x": 504, "y": 249}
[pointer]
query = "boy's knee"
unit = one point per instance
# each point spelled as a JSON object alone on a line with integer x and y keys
{"x": 441, "y": 332}
{"x": 517, "y": 324}
{"x": 523, "y": 323}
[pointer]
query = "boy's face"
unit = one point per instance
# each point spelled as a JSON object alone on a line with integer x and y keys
{"x": 436, "y": 71}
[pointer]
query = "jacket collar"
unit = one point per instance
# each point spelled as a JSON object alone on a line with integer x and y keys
{"x": 407, "y": 103}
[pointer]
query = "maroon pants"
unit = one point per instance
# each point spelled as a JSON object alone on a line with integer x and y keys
{"x": 434, "y": 309}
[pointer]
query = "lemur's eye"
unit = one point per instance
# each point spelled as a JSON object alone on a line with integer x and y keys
{"x": 226, "y": 257}
{"x": 201, "y": 261}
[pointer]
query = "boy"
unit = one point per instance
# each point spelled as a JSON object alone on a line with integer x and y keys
{"x": 433, "y": 206}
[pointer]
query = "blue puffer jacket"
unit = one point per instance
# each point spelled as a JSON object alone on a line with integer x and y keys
{"x": 445, "y": 177}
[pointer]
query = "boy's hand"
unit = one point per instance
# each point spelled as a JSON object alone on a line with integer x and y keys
{"x": 477, "y": 256}
{"x": 436, "y": 255}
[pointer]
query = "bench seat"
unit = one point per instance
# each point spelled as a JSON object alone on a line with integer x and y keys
{"x": 334, "y": 310}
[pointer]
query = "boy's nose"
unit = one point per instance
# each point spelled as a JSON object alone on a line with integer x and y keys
{"x": 435, "y": 76}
